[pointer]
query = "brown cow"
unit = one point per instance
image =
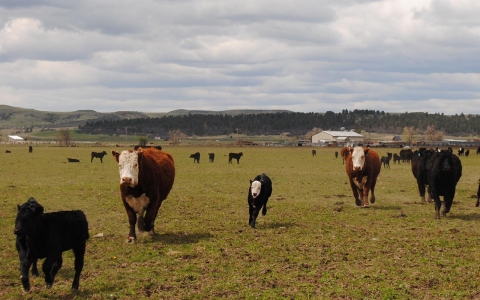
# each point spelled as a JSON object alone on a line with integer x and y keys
{"x": 146, "y": 178}
{"x": 363, "y": 166}
{"x": 344, "y": 152}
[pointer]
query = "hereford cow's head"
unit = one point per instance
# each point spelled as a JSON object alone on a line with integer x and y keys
{"x": 26, "y": 211}
{"x": 255, "y": 188}
{"x": 358, "y": 158}
{"x": 128, "y": 166}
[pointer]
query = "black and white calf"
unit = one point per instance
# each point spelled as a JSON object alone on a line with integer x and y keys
{"x": 47, "y": 235}
{"x": 258, "y": 193}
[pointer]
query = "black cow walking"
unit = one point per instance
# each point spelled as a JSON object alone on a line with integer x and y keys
{"x": 234, "y": 155}
{"x": 444, "y": 171}
{"x": 98, "y": 155}
{"x": 48, "y": 235}
{"x": 419, "y": 169}
{"x": 196, "y": 157}
{"x": 385, "y": 160}
{"x": 258, "y": 193}
{"x": 211, "y": 157}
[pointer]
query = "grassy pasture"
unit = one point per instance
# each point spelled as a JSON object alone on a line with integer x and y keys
{"x": 314, "y": 243}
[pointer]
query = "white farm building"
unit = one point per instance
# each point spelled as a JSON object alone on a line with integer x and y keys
{"x": 337, "y": 137}
{"x": 15, "y": 139}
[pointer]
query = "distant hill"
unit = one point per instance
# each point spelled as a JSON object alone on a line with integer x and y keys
{"x": 16, "y": 117}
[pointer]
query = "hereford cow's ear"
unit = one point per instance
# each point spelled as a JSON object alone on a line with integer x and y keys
{"x": 139, "y": 150}
{"x": 366, "y": 150}
{"x": 115, "y": 155}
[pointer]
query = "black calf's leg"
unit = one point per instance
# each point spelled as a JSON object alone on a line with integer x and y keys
{"x": 253, "y": 217}
{"x": 50, "y": 267}
{"x": 79, "y": 259}
{"x": 24, "y": 267}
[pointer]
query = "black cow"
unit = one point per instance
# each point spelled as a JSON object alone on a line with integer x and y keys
{"x": 396, "y": 158}
{"x": 196, "y": 157}
{"x": 211, "y": 157}
{"x": 258, "y": 193}
{"x": 314, "y": 152}
{"x": 336, "y": 154}
{"x": 478, "y": 150}
{"x": 444, "y": 170}
{"x": 461, "y": 151}
{"x": 98, "y": 155}
{"x": 47, "y": 235}
{"x": 234, "y": 155}
{"x": 30, "y": 149}
{"x": 467, "y": 152}
{"x": 478, "y": 194}
{"x": 385, "y": 160}
{"x": 419, "y": 170}
{"x": 73, "y": 160}
{"x": 406, "y": 155}
{"x": 8, "y": 151}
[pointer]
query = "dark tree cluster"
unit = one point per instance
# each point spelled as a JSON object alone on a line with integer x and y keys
{"x": 295, "y": 123}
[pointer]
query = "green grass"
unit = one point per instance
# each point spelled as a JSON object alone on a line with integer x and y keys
{"x": 302, "y": 249}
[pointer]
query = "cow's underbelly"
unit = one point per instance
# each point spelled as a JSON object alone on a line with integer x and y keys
{"x": 138, "y": 204}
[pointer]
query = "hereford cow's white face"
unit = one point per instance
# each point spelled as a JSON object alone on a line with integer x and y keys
{"x": 358, "y": 158}
{"x": 256, "y": 187}
{"x": 128, "y": 167}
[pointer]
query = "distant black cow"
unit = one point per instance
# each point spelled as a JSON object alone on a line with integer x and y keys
{"x": 30, "y": 149}
{"x": 211, "y": 157}
{"x": 73, "y": 160}
{"x": 47, "y": 235}
{"x": 314, "y": 152}
{"x": 461, "y": 151}
{"x": 98, "y": 155}
{"x": 406, "y": 155}
{"x": 196, "y": 157}
{"x": 258, "y": 193}
{"x": 8, "y": 151}
{"x": 467, "y": 152}
{"x": 145, "y": 147}
{"x": 389, "y": 154}
{"x": 336, "y": 154}
{"x": 396, "y": 158}
{"x": 385, "y": 160}
{"x": 478, "y": 150}
{"x": 234, "y": 155}
{"x": 444, "y": 170}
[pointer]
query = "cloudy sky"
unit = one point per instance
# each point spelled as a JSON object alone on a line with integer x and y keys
{"x": 302, "y": 55}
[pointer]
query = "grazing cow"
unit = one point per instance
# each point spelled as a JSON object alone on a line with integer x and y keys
{"x": 406, "y": 155}
{"x": 363, "y": 166}
{"x": 8, "y": 151}
{"x": 234, "y": 155}
{"x": 73, "y": 160}
{"x": 314, "y": 152}
{"x": 258, "y": 193}
{"x": 211, "y": 157}
{"x": 478, "y": 150}
{"x": 196, "y": 157}
{"x": 461, "y": 151}
{"x": 98, "y": 155}
{"x": 146, "y": 178}
{"x": 419, "y": 170}
{"x": 467, "y": 152}
{"x": 336, "y": 154}
{"x": 48, "y": 235}
{"x": 396, "y": 158}
{"x": 145, "y": 147}
{"x": 385, "y": 160}
{"x": 478, "y": 194}
{"x": 344, "y": 152}
{"x": 30, "y": 149}
{"x": 444, "y": 170}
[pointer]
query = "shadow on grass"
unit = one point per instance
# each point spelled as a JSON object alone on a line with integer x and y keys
{"x": 387, "y": 207}
{"x": 469, "y": 217}
{"x": 180, "y": 238}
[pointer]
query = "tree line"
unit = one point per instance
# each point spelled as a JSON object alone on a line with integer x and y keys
{"x": 295, "y": 123}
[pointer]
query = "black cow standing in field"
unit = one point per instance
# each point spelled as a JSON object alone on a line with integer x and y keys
{"x": 30, "y": 149}
{"x": 211, "y": 157}
{"x": 146, "y": 147}
{"x": 396, "y": 158}
{"x": 48, "y": 235}
{"x": 419, "y": 169}
{"x": 258, "y": 193}
{"x": 444, "y": 170}
{"x": 98, "y": 155}
{"x": 196, "y": 157}
{"x": 314, "y": 152}
{"x": 234, "y": 155}
{"x": 336, "y": 154}
{"x": 478, "y": 150}
{"x": 385, "y": 160}
{"x": 461, "y": 151}
{"x": 467, "y": 152}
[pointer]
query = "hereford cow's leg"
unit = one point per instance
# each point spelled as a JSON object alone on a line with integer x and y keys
{"x": 365, "y": 204}
{"x": 372, "y": 191}
{"x": 358, "y": 202}
{"x": 151, "y": 215}
{"x": 132, "y": 220}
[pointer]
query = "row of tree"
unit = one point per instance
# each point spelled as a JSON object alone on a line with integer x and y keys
{"x": 294, "y": 123}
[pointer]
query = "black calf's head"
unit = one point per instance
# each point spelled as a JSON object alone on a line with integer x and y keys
{"x": 26, "y": 211}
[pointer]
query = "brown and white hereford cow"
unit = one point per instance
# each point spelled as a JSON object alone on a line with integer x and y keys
{"x": 146, "y": 178}
{"x": 363, "y": 166}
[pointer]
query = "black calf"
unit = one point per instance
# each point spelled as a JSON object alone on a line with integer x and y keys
{"x": 211, "y": 157}
{"x": 47, "y": 235}
{"x": 234, "y": 155}
{"x": 258, "y": 193}
{"x": 98, "y": 155}
{"x": 196, "y": 157}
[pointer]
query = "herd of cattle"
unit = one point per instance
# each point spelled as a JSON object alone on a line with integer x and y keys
{"x": 147, "y": 176}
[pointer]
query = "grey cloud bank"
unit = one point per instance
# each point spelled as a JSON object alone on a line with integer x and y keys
{"x": 305, "y": 56}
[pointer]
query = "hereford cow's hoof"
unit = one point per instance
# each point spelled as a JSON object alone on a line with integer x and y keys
{"x": 372, "y": 200}
{"x": 366, "y": 206}
{"x": 358, "y": 202}
{"x": 131, "y": 239}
